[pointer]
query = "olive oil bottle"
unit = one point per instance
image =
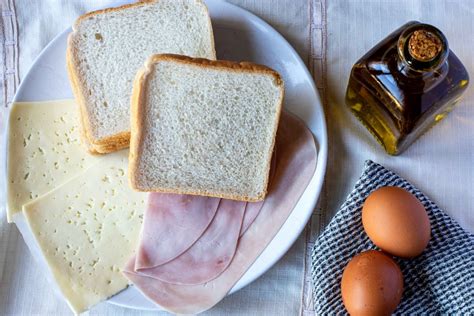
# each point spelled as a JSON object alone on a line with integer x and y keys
{"x": 406, "y": 84}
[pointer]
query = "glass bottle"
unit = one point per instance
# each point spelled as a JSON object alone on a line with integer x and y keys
{"x": 406, "y": 84}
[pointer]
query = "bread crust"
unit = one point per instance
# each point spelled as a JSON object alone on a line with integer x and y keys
{"x": 137, "y": 119}
{"x": 120, "y": 140}
{"x": 216, "y": 64}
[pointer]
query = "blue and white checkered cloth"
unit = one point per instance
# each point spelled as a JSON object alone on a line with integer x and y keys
{"x": 440, "y": 281}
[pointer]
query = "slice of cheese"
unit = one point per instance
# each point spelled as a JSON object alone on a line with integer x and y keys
{"x": 44, "y": 150}
{"x": 87, "y": 229}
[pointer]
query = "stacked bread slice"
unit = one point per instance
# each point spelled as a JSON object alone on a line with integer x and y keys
{"x": 107, "y": 47}
{"x": 194, "y": 125}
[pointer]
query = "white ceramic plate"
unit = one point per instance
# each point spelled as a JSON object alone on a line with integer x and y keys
{"x": 239, "y": 35}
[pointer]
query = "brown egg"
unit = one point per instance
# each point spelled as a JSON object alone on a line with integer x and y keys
{"x": 396, "y": 222}
{"x": 372, "y": 284}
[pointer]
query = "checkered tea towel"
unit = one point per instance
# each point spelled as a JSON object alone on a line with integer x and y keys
{"x": 440, "y": 281}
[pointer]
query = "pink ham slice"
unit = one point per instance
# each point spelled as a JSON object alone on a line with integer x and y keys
{"x": 210, "y": 254}
{"x": 253, "y": 208}
{"x": 172, "y": 224}
{"x": 296, "y": 163}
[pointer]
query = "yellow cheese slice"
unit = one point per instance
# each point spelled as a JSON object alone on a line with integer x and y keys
{"x": 87, "y": 229}
{"x": 44, "y": 150}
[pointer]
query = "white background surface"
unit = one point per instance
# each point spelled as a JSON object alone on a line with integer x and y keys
{"x": 441, "y": 163}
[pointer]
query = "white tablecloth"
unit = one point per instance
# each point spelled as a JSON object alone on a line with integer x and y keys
{"x": 441, "y": 163}
{"x": 330, "y": 35}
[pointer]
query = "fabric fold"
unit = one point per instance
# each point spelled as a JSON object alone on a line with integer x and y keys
{"x": 439, "y": 281}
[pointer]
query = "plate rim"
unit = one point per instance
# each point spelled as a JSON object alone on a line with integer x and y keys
{"x": 321, "y": 140}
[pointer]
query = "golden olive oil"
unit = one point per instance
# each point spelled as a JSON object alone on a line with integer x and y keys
{"x": 406, "y": 84}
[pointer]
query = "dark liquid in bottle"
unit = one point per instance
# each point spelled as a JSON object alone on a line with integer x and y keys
{"x": 398, "y": 102}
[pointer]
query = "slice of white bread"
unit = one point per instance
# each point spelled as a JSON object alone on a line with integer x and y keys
{"x": 107, "y": 47}
{"x": 203, "y": 127}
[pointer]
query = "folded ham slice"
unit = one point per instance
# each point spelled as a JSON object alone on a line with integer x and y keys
{"x": 253, "y": 208}
{"x": 172, "y": 224}
{"x": 210, "y": 254}
{"x": 296, "y": 163}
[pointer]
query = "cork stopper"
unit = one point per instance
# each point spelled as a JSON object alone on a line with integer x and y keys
{"x": 424, "y": 46}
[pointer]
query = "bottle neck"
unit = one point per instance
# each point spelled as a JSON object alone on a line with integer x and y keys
{"x": 422, "y": 50}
